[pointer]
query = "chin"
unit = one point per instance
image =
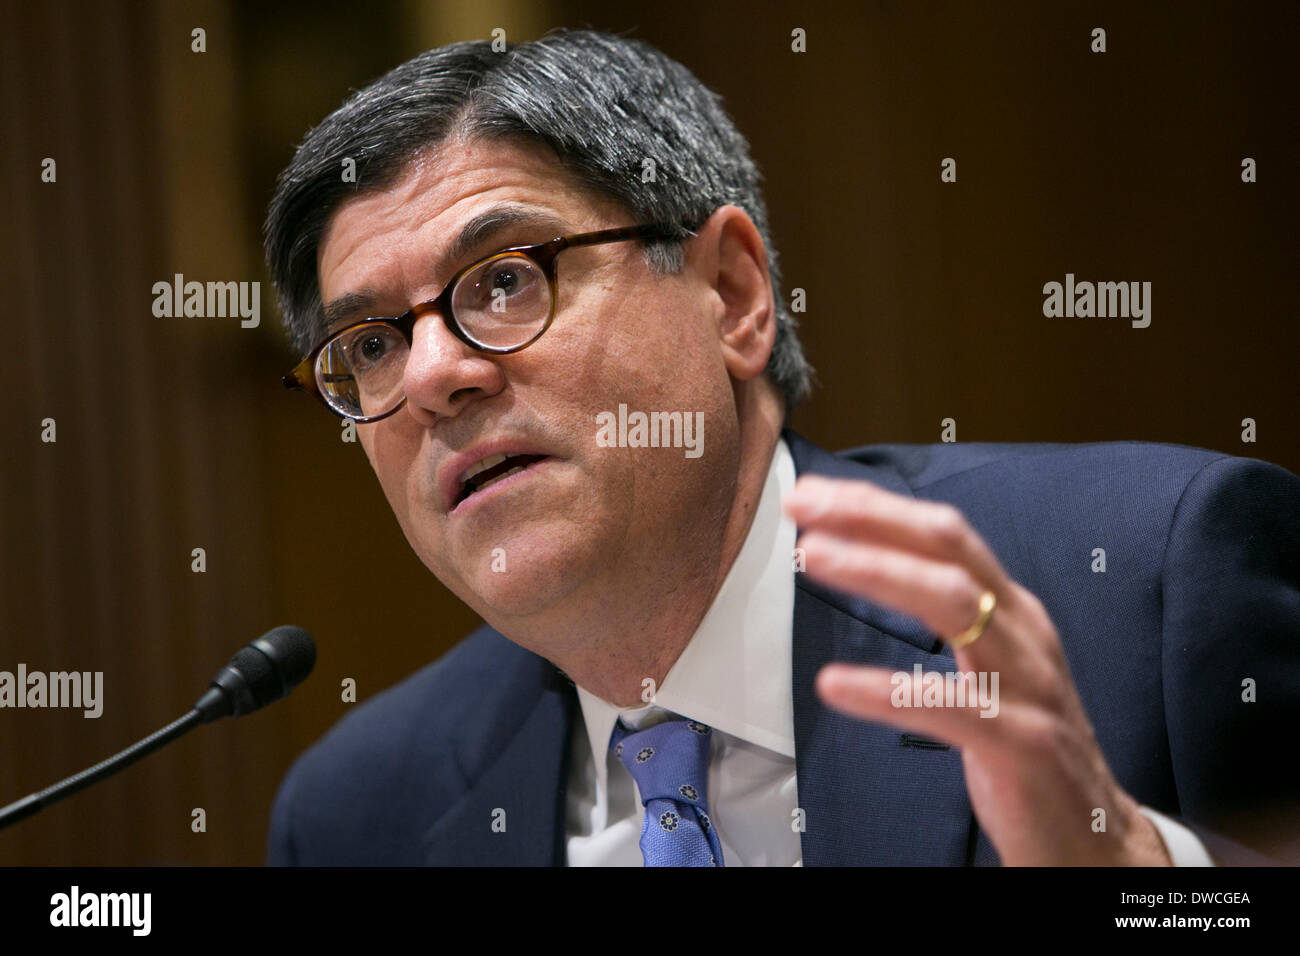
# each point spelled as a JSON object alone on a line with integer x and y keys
{"x": 524, "y": 578}
{"x": 498, "y": 596}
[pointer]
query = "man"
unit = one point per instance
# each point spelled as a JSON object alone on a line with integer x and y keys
{"x": 583, "y": 439}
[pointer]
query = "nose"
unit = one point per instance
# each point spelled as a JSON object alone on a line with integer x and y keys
{"x": 444, "y": 375}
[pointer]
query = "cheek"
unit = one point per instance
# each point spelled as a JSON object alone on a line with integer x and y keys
{"x": 393, "y": 454}
{"x": 654, "y": 339}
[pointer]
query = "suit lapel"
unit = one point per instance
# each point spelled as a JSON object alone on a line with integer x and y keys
{"x": 513, "y": 813}
{"x": 871, "y": 794}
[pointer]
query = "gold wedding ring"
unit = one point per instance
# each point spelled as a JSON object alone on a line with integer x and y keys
{"x": 972, "y": 634}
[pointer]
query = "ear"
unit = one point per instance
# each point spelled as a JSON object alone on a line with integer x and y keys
{"x": 733, "y": 261}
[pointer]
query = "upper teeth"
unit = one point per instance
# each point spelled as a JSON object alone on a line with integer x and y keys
{"x": 490, "y": 462}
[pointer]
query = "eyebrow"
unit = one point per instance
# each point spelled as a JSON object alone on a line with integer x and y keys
{"x": 472, "y": 235}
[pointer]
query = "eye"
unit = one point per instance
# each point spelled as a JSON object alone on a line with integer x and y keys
{"x": 512, "y": 279}
{"x": 505, "y": 279}
{"x": 369, "y": 348}
{"x": 372, "y": 348}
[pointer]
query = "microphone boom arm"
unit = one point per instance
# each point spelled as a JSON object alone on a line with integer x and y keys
{"x": 105, "y": 768}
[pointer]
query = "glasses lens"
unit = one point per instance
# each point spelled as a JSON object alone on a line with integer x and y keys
{"x": 360, "y": 371}
{"x": 503, "y": 303}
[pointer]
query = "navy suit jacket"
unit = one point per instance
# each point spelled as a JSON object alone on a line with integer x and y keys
{"x": 1199, "y": 594}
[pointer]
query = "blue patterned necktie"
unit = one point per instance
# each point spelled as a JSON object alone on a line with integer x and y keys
{"x": 670, "y": 763}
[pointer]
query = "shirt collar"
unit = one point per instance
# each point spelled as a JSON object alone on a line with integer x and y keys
{"x": 735, "y": 674}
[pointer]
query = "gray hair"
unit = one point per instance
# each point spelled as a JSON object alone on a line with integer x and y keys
{"x": 604, "y": 104}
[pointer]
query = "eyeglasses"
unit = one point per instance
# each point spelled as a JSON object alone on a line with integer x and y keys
{"x": 500, "y": 304}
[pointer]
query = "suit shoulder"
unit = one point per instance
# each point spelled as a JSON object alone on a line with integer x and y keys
{"x": 923, "y": 466}
{"x": 417, "y": 721}
{"x": 369, "y": 788}
{"x": 1049, "y": 498}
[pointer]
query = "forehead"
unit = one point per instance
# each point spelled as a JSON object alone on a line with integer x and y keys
{"x": 385, "y": 238}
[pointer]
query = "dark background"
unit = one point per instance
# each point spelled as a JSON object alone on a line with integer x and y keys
{"x": 924, "y": 302}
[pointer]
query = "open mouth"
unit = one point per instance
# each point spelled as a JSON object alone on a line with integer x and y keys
{"x": 491, "y": 470}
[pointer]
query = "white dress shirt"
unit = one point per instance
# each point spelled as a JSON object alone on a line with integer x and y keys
{"x": 735, "y": 675}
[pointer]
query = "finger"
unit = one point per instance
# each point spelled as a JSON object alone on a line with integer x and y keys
{"x": 861, "y": 510}
{"x": 942, "y": 596}
{"x": 898, "y": 698}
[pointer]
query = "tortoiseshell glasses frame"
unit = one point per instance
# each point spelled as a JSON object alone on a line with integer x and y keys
{"x": 326, "y": 371}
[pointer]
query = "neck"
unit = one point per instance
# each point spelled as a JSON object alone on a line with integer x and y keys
{"x": 666, "y": 615}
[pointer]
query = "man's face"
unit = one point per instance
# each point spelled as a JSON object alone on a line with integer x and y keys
{"x": 585, "y": 525}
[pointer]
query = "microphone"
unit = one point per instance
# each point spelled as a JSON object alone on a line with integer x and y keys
{"x": 260, "y": 673}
